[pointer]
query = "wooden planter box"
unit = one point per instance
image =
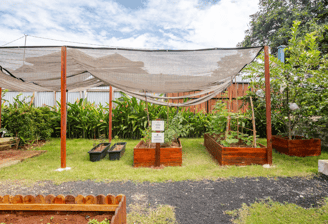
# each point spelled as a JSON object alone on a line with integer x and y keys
{"x": 297, "y": 147}
{"x": 145, "y": 157}
{"x": 115, "y": 207}
{"x": 239, "y": 156}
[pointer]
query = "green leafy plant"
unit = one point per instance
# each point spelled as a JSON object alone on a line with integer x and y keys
{"x": 95, "y": 221}
{"x": 301, "y": 81}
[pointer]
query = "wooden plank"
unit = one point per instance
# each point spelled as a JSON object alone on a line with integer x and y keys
{"x": 50, "y": 198}
{"x": 69, "y": 199}
{"x": 29, "y": 199}
{"x": 268, "y": 103}
{"x": 110, "y": 113}
{"x": 18, "y": 199}
{"x": 90, "y": 199}
{"x": 39, "y": 199}
{"x": 63, "y": 108}
{"x": 57, "y": 207}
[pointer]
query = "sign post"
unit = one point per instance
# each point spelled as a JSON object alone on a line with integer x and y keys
{"x": 157, "y": 138}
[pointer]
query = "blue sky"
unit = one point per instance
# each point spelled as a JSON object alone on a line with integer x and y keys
{"x": 150, "y": 24}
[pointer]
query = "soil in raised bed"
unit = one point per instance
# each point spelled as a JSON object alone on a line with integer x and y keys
{"x": 99, "y": 148}
{"x": 118, "y": 148}
{"x": 240, "y": 143}
{"x": 51, "y": 217}
{"x": 153, "y": 145}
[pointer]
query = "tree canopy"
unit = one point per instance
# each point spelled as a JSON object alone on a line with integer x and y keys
{"x": 272, "y": 23}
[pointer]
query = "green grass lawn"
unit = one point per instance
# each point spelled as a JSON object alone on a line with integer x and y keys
{"x": 275, "y": 212}
{"x": 197, "y": 165}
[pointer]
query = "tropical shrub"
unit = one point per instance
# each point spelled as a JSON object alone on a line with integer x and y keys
{"x": 27, "y": 122}
{"x": 299, "y": 87}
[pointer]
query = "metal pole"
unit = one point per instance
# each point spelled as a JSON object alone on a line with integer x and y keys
{"x": 110, "y": 113}
{"x": 63, "y": 107}
{"x": 268, "y": 104}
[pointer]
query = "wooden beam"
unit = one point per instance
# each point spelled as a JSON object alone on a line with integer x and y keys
{"x": 63, "y": 107}
{"x": 58, "y": 207}
{"x": 0, "y": 104}
{"x": 110, "y": 113}
{"x": 268, "y": 104}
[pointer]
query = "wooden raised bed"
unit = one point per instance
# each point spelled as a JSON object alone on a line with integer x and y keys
{"x": 114, "y": 207}
{"x": 239, "y": 156}
{"x": 297, "y": 147}
{"x": 145, "y": 157}
{"x": 8, "y": 142}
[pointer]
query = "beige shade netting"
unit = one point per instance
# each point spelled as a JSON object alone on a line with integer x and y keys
{"x": 134, "y": 72}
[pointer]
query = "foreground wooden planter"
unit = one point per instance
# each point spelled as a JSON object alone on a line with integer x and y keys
{"x": 145, "y": 157}
{"x": 297, "y": 147}
{"x": 114, "y": 206}
{"x": 239, "y": 156}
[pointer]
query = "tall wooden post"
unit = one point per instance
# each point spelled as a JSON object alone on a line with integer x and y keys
{"x": 158, "y": 152}
{"x": 268, "y": 104}
{"x": 0, "y": 104}
{"x": 110, "y": 113}
{"x": 63, "y": 107}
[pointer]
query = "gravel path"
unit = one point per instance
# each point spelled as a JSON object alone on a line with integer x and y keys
{"x": 195, "y": 201}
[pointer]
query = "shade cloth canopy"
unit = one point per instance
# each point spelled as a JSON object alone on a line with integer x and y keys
{"x": 129, "y": 70}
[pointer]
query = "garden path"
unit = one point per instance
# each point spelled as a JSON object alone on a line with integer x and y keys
{"x": 195, "y": 201}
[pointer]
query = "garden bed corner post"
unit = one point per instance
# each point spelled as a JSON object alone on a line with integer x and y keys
{"x": 110, "y": 113}
{"x": 63, "y": 107}
{"x": 268, "y": 104}
{"x": 0, "y": 104}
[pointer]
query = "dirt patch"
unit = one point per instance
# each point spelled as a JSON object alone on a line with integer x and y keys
{"x": 32, "y": 145}
{"x": 28, "y": 217}
{"x": 20, "y": 155}
{"x": 153, "y": 145}
{"x": 118, "y": 148}
{"x": 99, "y": 148}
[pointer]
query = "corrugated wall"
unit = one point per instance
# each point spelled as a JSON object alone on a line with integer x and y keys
{"x": 48, "y": 98}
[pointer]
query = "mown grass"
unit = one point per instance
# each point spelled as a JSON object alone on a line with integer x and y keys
{"x": 197, "y": 165}
{"x": 275, "y": 212}
{"x": 141, "y": 213}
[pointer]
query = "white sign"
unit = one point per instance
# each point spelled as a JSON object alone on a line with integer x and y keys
{"x": 157, "y": 137}
{"x": 157, "y": 125}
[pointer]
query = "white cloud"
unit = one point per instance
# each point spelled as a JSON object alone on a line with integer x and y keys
{"x": 173, "y": 24}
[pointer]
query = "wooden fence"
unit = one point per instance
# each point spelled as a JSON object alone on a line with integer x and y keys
{"x": 235, "y": 90}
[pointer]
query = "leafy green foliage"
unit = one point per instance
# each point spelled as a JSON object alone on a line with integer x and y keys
{"x": 271, "y": 24}
{"x": 301, "y": 80}
{"x": 177, "y": 127}
{"x": 27, "y": 122}
{"x": 95, "y": 221}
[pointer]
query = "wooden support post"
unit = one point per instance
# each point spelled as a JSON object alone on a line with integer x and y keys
{"x": 268, "y": 104}
{"x": 110, "y": 113}
{"x": 157, "y": 151}
{"x": 253, "y": 120}
{"x": 0, "y": 104}
{"x": 237, "y": 106}
{"x": 63, "y": 107}
{"x": 55, "y": 101}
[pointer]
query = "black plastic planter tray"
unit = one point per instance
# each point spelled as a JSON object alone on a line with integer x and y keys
{"x": 97, "y": 156}
{"x": 116, "y": 155}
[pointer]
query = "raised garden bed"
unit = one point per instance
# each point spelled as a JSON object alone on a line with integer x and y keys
{"x": 8, "y": 143}
{"x": 99, "y": 151}
{"x": 239, "y": 156}
{"x": 116, "y": 151}
{"x": 144, "y": 156}
{"x": 297, "y": 147}
{"x": 61, "y": 209}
